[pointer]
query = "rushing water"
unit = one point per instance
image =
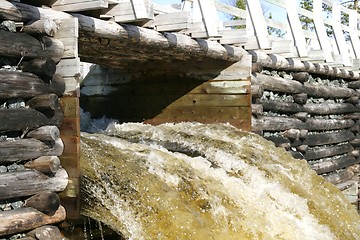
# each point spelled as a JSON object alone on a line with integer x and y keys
{"x": 196, "y": 181}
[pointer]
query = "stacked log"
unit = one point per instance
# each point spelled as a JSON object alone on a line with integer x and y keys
{"x": 30, "y": 143}
{"x": 316, "y": 119}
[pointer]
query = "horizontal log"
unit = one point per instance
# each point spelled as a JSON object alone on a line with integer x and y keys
{"x": 296, "y": 155}
{"x": 300, "y": 98}
{"x": 318, "y": 124}
{"x": 256, "y": 91}
{"x": 354, "y": 116}
{"x": 279, "y": 107}
{"x": 47, "y": 232}
{"x": 268, "y": 123}
{"x": 327, "y": 151}
{"x": 257, "y": 109}
{"x": 327, "y": 91}
{"x": 27, "y": 85}
{"x": 42, "y": 67}
{"x": 30, "y": 46}
{"x": 27, "y": 183}
{"x": 25, "y": 219}
{"x": 41, "y": 27}
{"x": 277, "y": 84}
{"x": 45, "y": 133}
{"x": 300, "y": 76}
{"x": 281, "y": 141}
{"x": 303, "y": 116}
{"x": 336, "y": 163}
{"x": 330, "y": 108}
{"x": 46, "y": 202}
{"x": 328, "y": 138}
{"x": 339, "y": 176}
{"x": 44, "y": 164}
{"x": 28, "y": 148}
{"x": 354, "y": 85}
{"x": 356, "y": 141}
{"x": 18, "y": 119}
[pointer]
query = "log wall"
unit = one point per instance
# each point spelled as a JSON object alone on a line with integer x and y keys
{"x": 39, "y": 119}
{"x": 315, "y": 117}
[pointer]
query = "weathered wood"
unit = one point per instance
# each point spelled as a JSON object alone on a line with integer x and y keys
{"x": 27, "y": 85}
{"x": 150, "y": 38}
{"x": 319, "y": 124}
{"x": 28, "y": 148}
{"x": 256, "y": 91}
{"x": 46, "y": 202}
{"x": 328, "y": 138}
{"x": 44, "y": 164}
{"x": 327, "y": 151}
{"x": 278, "y": 84}
{"x": 353, "y": 99}
{"x": 340, "y": 176}
{"x": 267, "y": 123}
{"x": 354, "y": 116}
{"x": 24, "y": 219}
{"x": 27, "y": 183}
{"x": 40, "y": 27}
{"x": 354, "y": 85}
{"x": 300, "y": 98}
{"x": 333, "y": 164}
{"x": 17, "y": 119}
{"x": 30, "y": 47}
{"x": 40, "y": 66}
{"x": 44, "y": 133}
{"x": 280, "y": 107}
{"x": 46, "y": 232}
{"x": 303, "y": 116}
{"x": 329, "y": 108}
{"x": 300, "y": 76}
{"x": 327, "y": 91}
{"x": 303, "y": 149}
{"x": 296, "y": 155}
{"x": 257, "y": 109}
{"x": 9, "y": 12}
{"x": 44, "y": 103}
{"x": 356, "y": 141}
{"x": 292, "y": 134}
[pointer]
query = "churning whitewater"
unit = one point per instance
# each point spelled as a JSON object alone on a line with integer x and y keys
{"x": 198, "y": 181}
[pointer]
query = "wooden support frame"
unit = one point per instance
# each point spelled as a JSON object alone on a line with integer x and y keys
{"x": 258, "y": 23}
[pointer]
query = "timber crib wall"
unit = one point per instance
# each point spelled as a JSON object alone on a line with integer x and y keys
{"x": 312, "y": 111}
{"x": 39, "y": 123}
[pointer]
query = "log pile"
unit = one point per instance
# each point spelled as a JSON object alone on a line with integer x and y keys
{"x": 314, "y": 118}
{"x": 30, "y": 117}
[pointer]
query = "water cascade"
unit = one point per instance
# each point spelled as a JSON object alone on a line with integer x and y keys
{"x": 196, "y": 181}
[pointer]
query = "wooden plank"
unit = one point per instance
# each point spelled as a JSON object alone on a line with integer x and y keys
{"x": 353, "y": 32}
{"x": 230, "y": 10}
{"x": 70, "y": 127}
{"x": 220, "y": 113}
{"x": 71, "y": 147}
{"x": 208, "y": 100}
{"x": 72, "y": 87}
{"x": 209, "y": 16}
{"x": 70, "y": 47}
{"x": 223, "y": 87}
{"x": 258, "y": 22}
{"x": 142, "y": 11}
{"x": 76, "y": 6}
{"x": 339, "y": 35}
{"x": 68, "y": 27}
{"x": 68, "y": 67}
{"x": 70, "y": 107}
{"x": 296, "y": 29}
{"x": 321, "y": 31}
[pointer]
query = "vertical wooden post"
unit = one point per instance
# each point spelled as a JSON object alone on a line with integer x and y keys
{"x": 69, "y": 68}
{"x": 321, "y": 31}
{"x": 296, "y": 29}
{"x": 209, "y": 17}
{"x": 339, "y": 35}
{"x": 259, "y": 24}
{"x": 353, "y": 29}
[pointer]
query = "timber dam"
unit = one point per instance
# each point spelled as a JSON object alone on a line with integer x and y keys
{"x": 189, "y": 119}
